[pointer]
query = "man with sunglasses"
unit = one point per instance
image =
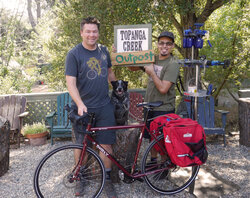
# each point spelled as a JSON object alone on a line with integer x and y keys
{"x": 162, "y": 77}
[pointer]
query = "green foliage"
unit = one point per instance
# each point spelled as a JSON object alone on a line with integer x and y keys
{"x": 15, "y": 50}
{"x": 67, "y": 35}
{"x": 16, "y": 81}
{"x": 59, "y": 30}
{"x": 229, "y": 35}
{"x": 35, "y": 128}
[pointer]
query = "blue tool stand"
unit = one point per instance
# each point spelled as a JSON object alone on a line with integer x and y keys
{"x": 193, "y": 39}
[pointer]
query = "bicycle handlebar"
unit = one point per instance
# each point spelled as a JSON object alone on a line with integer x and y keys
{"x": 73, "y": 116}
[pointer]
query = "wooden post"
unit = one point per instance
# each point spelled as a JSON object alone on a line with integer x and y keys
{"x": 4, "y": 145}
{"x": 244, "y": 121}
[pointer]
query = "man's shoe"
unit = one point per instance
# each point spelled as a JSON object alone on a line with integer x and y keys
{"x": 110, "y": 189}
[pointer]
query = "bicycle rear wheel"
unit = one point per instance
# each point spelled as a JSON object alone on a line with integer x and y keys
{"x": 53, "y": 175}
{"x": 163, "y": 176}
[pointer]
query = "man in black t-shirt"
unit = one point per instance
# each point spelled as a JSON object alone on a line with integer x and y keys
{"x": 88, "y": 70}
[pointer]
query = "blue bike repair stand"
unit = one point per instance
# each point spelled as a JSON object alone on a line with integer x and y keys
{"x": 193, "y": 39}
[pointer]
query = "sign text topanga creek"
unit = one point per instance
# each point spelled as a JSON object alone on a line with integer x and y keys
{"x": 133, "y": 58}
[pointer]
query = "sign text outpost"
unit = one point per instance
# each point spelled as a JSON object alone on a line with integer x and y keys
{"x": 133, "y": 58}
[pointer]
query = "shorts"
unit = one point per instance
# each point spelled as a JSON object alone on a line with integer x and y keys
{"x": 153, "y": 114}
{"x": 104, "y": 116}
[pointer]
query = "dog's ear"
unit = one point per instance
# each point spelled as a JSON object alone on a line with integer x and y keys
{"x": 113, "y": 83}
{"x": 126, "y": 85}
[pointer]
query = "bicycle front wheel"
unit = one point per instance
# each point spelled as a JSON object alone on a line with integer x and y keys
{"x": 162, "y": 175}
{"x": 54, "y": 174}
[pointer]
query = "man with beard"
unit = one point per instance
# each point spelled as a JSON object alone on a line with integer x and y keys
{"x": 162, "y": 79}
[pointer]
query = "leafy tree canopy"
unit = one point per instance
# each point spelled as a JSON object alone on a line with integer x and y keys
{"x": 57, "y": 31}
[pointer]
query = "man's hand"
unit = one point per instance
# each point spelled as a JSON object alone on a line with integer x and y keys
{"x": 150, "y": 70}
{"x": 81, "y": 109}
{"x": 114, "y": 49}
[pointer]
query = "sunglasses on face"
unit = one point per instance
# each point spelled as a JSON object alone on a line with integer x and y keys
{"x": 168, "y": 44}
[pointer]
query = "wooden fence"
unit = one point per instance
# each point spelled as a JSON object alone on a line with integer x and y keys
{"x": 41, "y": 104}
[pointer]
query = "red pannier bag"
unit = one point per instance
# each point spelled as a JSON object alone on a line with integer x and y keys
{"x": 156, "y": 126}
{"x": 185, "y": 141}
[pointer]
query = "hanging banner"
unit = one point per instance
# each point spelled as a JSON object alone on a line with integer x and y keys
{"x": 131, "y": 39}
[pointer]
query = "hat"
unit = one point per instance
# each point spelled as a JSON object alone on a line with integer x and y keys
{"x": 166, "y": 34}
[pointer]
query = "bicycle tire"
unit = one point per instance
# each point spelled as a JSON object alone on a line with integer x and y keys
{"x": 171, "y": 180}
{"x": 57, "y": 182}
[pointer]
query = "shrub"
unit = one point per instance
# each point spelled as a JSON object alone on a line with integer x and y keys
{"x": 35, "y": 128}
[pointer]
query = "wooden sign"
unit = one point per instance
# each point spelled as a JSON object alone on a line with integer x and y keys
{"x": 133, "y": 58}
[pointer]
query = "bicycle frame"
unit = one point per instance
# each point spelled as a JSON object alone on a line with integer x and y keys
{"x": 131, "y": 174}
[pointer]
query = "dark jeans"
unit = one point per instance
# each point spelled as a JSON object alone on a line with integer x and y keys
{"x": 153, "y": 114}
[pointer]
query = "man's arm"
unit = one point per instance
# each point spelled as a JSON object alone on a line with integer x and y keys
{"x": 161, "y": 85}
{"x": 134, "y": 68}
{"x": 111, "y": 75}
{"x": 74, "y": 93}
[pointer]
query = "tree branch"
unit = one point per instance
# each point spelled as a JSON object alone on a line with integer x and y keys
{"x": 209, "y": 8}
{"x": 231, "y": 94}
{"x": 38, "y": 9}
{"x": 176, "y": 24}
{"x": 174, "y": 21}
{"x": 31, "y": 18}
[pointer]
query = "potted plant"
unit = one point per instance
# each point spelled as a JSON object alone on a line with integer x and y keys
{"x": 36, "y": 133}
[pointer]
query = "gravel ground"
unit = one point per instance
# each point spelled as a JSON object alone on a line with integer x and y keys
{"x": 230, "y": 163}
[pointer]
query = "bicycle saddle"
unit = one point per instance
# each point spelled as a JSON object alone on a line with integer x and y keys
{"x": 150, "y": 104}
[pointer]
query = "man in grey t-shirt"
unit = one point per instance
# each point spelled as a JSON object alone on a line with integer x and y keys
{"x": 162, "y": 76}
{"x": 88, "y": 70}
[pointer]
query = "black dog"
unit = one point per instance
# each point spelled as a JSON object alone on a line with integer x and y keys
{"x": 120, "y": 99}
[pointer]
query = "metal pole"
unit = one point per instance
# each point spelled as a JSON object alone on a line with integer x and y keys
{"x": 196, "y": 85}
{"x": 191, "y": 186}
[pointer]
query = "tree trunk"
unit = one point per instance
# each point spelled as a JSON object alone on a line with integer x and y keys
{"x": 38, "y": 9}
{"x": 31, "y": 18}
{"x": 244, "y": 121}
{"x": 4, "y": 145}
{"x": 124, "y": 150}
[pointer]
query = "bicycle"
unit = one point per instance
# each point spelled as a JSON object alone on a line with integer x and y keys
{"x": 161, "y": 175}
